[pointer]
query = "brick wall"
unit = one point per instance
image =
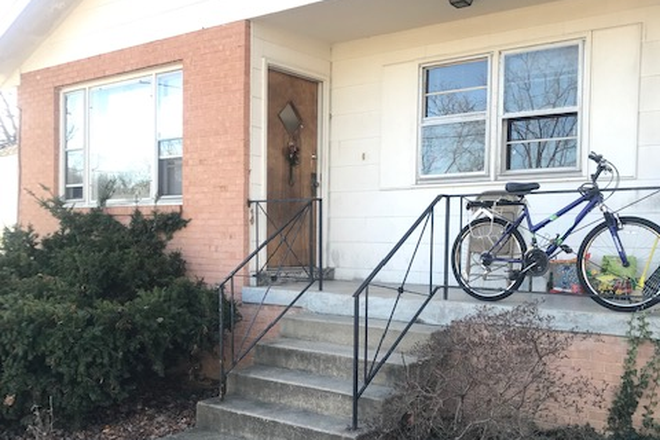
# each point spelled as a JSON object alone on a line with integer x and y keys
{"x": 216, "y": 123}
{"x": 598, "y": 358}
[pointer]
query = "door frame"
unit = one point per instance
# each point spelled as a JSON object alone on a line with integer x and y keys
{"x": 323, "y": 166}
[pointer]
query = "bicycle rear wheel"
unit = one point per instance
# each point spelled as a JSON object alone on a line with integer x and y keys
{"x": 486, "y": 262}
{"x": 601, "y": 272}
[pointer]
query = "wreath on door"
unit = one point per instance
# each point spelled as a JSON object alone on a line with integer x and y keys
{"x": 292, "y": 122}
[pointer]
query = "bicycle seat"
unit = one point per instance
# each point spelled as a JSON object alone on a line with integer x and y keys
{"x": 521, "y": 188}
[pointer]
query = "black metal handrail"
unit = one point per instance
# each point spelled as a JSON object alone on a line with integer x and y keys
{"x": 366, "y": 368}
{"x": 303, "y": 224}
{"x": 371, "y": 364}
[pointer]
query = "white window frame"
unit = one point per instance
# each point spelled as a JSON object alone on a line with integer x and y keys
{"x": 496, "y": 136}
{"x": 87, "y": 199}
{"x": 465, "y": 117}
{"x": 502, "y": 117}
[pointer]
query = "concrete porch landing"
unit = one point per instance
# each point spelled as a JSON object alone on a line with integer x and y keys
{"x": 570, "y": 312}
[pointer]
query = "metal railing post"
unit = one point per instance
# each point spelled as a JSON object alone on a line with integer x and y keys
{"x": 356, "y": 357}
{"x": 320, "y": 242}
{"x": 221, "y": 308}
{"x": 445, "y": 293}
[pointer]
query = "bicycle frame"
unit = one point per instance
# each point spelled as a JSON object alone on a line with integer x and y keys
{"x": 592, "y": 197}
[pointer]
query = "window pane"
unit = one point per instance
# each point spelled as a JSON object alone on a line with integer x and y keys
{"x": 457, "y": 76}
{"x": 73, "y": 192}
{"x": 456, "y": 103}
{"x": 121, "y": 139}
{"x": 541, "y": 79}
{"x": 456, "y": 89}
{"x": 169, "y": 168}
{"x": 453, "y": 148}
{"x": 542, "y": 154}
{"x": 170, "y": 132}
{"x": 170, "y": 177}
{"x": 170, "y": 105}
{"x": 543, "y": 127}
{"x": 542, "y": 142}
{"x": 170, "y": 148}
{"x": 74, "y": 125}
{"x": 75, "y": 166}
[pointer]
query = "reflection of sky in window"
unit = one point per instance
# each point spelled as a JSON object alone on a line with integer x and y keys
{"x": 170, "y": 105}
{"x": 75, "y": 118}
{"x": 456, "y": 89}
{"x": 541, "y": 79}
{"x": 121, "y": 129}
{"x": 457, "y": 76}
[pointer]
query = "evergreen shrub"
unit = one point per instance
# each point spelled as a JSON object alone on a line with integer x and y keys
{"x": 94, "y": 310}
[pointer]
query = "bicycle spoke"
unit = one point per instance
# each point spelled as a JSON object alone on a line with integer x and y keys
{"x": 611, "y": 283}
{"x": 485, "y": 259}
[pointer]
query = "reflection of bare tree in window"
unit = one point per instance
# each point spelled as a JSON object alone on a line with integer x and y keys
{"x": 543, "y": 81}
{"x": 8, "y": 122}
{"x": 454, "y": 147}
{"x": 74, "y": 143}
{"x": 71, "y": 132}
{"x": 543, "y": 142}
{"x": 453, "y": 130}
{"x": 122, "y": 185}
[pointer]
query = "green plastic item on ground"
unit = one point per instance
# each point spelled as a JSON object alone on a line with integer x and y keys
{"x": 611, "y": 265}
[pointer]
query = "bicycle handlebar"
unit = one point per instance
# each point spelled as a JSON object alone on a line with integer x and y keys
{"x": 603, "y": 165}
{"x": 595, "y": 157}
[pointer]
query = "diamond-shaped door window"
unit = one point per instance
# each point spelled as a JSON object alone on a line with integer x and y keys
{"x": 290, "y": 118}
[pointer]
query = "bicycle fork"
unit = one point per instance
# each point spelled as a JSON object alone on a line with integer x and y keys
{"x": 614, "y": 225}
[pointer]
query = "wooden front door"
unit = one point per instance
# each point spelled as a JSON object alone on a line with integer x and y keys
{"x": 292, "y": 163}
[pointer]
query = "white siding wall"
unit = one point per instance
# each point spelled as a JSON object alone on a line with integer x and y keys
{"x": 8, "y": 187}
{"x": 375, "y": 99}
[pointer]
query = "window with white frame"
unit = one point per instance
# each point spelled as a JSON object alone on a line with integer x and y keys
{"x": 538, "y": 109}
{"x": 123, "y": 140}
{"x": 454, "y": 118}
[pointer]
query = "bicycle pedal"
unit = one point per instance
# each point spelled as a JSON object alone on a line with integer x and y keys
{"x": 566, "y": 248}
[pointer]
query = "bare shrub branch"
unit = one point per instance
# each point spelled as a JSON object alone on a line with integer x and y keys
{"x": 491, "y": 375}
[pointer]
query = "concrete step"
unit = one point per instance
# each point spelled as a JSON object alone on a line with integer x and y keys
{"x": 338, "y": 329}
{"x": 305, "y": 390}
{"x": 326, "y": 359}
{"x": 256, "y": 420}
{"x": 199, "y": 434}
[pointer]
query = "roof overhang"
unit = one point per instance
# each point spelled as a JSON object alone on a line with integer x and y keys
{"x": 331, "y": 21}
{"x": 336, "y": 21}
{"x": 33, "y": 21}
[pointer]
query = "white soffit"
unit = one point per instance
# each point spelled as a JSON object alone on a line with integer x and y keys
{"x": 335, "y": 21}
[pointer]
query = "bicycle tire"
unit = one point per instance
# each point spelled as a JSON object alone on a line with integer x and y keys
{"x": 606, "y": 280}
{"x": 494, "y": 281}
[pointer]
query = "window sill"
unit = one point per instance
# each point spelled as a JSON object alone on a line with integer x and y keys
{"x": 474, "y": 184}
{"x": 163, "y": 201}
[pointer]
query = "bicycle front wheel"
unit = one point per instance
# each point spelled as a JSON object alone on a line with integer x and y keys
{"x": 487, "y": 261}
{"x": 622, "y": 287}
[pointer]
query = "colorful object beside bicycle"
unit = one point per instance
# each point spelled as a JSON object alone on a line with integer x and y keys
{"x": 563, "y": 277}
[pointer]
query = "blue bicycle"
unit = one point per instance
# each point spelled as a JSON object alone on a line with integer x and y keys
{"x": 617, "y": 264}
